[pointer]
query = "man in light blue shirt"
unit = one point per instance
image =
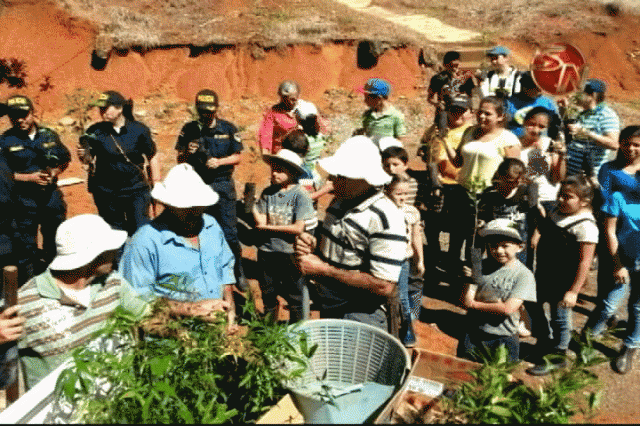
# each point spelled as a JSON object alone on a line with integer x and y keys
{"x": 182, "y": 255}
{"x": 595, "y": 135}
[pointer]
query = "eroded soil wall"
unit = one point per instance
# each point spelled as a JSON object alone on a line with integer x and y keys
{"x": 57, "y": 48}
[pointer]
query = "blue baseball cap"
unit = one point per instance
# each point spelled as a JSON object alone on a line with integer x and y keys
{"x": 498, "y": 50}
{"x": 594, "y": 85}
{"x": 376, "y": 87}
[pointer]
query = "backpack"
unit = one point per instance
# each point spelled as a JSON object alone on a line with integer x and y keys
{"x": 557, "y": 256}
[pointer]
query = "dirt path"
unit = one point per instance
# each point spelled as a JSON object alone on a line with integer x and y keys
{"x": 430, "y": 27}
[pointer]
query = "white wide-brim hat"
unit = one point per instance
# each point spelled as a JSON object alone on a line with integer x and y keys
{"x": 184, "y": 188}
{"x": 501, "y": 227}
{"x": 357, "y": 158}
{"x": 81, "y": 239}
{"x": 287, "y": 158}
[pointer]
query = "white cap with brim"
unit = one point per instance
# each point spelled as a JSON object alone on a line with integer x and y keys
{"x": 81, "y": 239}
{"x": 503, "y": 228}
{"x": 357, "y": 158}
{"x": 184, "y": 188}
{"x": 287, "y": 158}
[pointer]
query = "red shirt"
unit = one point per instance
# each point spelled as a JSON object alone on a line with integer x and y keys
{"x": 275, "y": 125}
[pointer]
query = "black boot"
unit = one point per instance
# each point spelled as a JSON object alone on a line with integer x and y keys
{"x": 624, "y": 361}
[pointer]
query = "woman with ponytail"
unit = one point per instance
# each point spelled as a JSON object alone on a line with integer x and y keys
{"x": 122, "y": 162}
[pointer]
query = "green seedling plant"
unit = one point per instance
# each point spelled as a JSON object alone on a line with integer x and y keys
{"x": 494, "y": 396}
{"x": 182, "y": 370}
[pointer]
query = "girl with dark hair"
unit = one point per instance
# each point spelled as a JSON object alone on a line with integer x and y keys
{"x": 621, "y": 210}
{"x": 544, "y": 158}
{"x": 484, "y": 146}
{"x": 568, "y": 237}
{"x": 482, "y": 149}
{"x": 122, "y": 162}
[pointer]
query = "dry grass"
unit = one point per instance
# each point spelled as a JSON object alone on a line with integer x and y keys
{"x": 513, "y": 18}
{"x": 128, "y": 28}
{"x": 269, "y": 23}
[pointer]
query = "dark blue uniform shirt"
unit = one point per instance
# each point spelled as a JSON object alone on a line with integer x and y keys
{"x": 113, "y": 173}
{"x": 24, "y": 155}
{"x": 7, "y": 211}
{"x": 219, "y": 141}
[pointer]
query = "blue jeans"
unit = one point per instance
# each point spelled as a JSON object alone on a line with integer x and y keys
{"x": 611, "y": 304}
{"x": 560, "y": 324}
{"x": 406, "y": 328}
{"x": 478, "y": 344}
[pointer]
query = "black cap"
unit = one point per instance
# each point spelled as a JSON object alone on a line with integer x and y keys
{"x": 207, "y": 100}
{"x": 19, "y": 104}
{"x": 109, "y": 97}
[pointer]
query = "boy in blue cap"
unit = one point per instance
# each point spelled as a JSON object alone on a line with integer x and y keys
{"x": 381, "y": 119}
{"x": 502, "y": 80}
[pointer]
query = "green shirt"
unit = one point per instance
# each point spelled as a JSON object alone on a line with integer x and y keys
{"x": 389, "y": 122}
{"x": 56, "y": 324}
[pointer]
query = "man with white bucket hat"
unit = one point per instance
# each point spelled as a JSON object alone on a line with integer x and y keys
{"x": 357, "y": 259}
{"x": 182, "y": 255}
{"x": 68, "y": 303}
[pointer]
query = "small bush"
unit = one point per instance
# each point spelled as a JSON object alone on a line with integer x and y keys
{"x": 12, "y": 72}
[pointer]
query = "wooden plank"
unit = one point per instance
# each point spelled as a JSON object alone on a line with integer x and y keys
{"x": 10, "y": 283}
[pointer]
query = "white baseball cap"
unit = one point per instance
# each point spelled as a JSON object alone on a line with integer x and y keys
{"x": 183, "y": 188}
{"x": 357, "y": 158}
{"x": 81, "y": 239}
{"x": 502, "y": 227}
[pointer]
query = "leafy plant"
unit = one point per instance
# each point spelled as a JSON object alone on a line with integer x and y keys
{"x": 476, "y": 187}
{"x": 493, "y": 396}
{"x": 182, "y": 370}
{"x": 78, "y": 107}
{"x": 12, "y": 71}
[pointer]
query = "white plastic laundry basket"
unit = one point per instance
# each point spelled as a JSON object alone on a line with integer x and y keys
{"x": 355, "y": 370}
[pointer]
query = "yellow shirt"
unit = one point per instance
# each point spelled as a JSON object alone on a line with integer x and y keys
{"x": 480, "y": 159}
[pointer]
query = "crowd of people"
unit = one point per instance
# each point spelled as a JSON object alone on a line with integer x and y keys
{"x": 527, "y": 195}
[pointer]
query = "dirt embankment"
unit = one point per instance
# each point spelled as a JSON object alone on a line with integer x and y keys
{"x": 58, "y": 56}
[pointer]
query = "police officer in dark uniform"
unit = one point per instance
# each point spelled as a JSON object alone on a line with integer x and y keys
{"x": 36, "y": 157}
{"x": 123, "y": 166}
{"x": 7, "y": 209}
{"x": 212, "y": 146}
